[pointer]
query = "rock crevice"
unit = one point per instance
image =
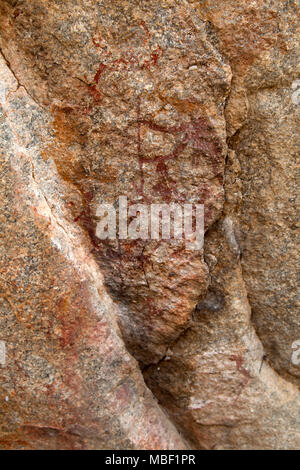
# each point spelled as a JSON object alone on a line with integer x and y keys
{"x": 164, "y": 102}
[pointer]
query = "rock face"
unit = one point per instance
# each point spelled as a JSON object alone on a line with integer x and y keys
{"x": 164, "y": 102}
{"x": 68, "y": 381}
{"x": 138, "y": 111}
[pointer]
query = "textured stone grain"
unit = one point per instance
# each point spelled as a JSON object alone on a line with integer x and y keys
{"x": 68, "y": 381}
{"x": 163, "y": 102}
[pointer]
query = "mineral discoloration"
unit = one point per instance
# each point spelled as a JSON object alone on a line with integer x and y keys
{"x": 144, "y": 121}
{"x": 67, "y": 367}
{"x": 163, "y": 102}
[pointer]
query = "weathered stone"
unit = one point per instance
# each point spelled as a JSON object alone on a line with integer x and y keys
{"x": 216, "y": 382}
{"x": 163, "y": 102}
{"x": 67, "y": 381}
{"x": 137, "y": 111}
{"x": 229, "y": 396}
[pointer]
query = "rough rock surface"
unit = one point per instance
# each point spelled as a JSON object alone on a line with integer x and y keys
{"x": 68, "y": 381}
{"x": 163, "y": 102}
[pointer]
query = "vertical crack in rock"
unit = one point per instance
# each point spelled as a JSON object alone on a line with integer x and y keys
{"x": 18, "y": 82}
{"x": 153, "y": 105}
{"x": 137, "y": 99}
{"x": 68, "y": 381}
{"x": 218, "y": 381}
